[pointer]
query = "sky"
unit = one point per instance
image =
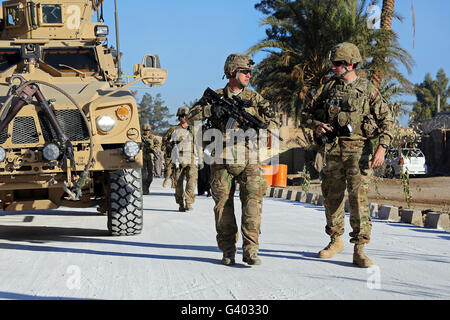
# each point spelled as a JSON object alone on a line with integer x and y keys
{"x": 194, "y": 37}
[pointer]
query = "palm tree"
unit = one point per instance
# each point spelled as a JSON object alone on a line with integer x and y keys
{"x": 387, "y": 14}
{"x": 299, "y": 36}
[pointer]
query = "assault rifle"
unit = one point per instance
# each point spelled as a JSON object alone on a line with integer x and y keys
{"x": 235, "y": 108}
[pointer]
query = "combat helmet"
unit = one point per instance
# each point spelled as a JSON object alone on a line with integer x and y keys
{"x": 237, "y": 61}
{"x": 146, "y": 127}
{"x": 182, "y": 111}
{"x": 347, "y": 52}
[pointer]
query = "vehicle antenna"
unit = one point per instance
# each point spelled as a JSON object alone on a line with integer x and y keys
{"x": 119, "y": 56}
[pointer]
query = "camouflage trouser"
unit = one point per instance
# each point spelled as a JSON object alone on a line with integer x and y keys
{"x": 147, "y": 174}
{"x": 348, "y": 170}
{"x": 169, "y": 172}
{"x": 190, "y": 173}
{"x": 252, "y": 188}
{"x": 157, "y": 161}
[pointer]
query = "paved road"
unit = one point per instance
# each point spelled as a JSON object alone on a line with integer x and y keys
{"x": 66, "y": 254}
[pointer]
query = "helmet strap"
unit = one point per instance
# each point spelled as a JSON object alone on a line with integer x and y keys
{"x": 341, "y": 76}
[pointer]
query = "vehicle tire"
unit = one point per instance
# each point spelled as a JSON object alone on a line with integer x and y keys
{"x": 125, "y": 214}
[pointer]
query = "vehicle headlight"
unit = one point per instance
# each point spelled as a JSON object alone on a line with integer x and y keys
{"x": 131, "y": 149}
{"x": 2, "y": 154}
{"x": 101, "y": 31}
{"x": 105, "y": 123}
{"x": 51, "y": 152}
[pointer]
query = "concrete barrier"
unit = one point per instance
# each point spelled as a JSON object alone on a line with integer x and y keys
{"x": 293, "y": 195}
{"x": 301, "y": 196}
{"x": 289, "y": 194}
{"x": 437, "y": 220}
{"x": 389, "y": 213}
{"x": 311, "y": 198}
{"x": 283, "y": 193}
{"x": 278, "y": 193}
{"x": 411, "y": 216}
{"x": 272, "y": 192}
{"x": 320, "y": 200}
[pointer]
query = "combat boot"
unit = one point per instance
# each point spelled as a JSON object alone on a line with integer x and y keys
{"x": 228, "y": 259}
{"x": 335, "y": 246}
{"x": 252, "y": 259}
{"x": 181, "y": 208}
{"x": 188, "y": 207}
{"x": 359, "y": 257}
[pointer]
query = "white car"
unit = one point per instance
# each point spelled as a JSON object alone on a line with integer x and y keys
{"x": 400, "y": 160}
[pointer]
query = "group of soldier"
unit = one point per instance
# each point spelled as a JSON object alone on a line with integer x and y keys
{"x": 352, "y": 125}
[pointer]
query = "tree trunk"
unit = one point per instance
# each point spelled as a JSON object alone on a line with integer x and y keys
{"x": 387, "y": 15}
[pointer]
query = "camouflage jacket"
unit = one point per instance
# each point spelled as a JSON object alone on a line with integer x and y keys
{"x": 358, "y": 103}
{"x": 178, "y": 144}
{"x": 258, "y": 107}
{"x": 150, "y": 144}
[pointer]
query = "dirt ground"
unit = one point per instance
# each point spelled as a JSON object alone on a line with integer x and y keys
{"x": 430, "y": 193}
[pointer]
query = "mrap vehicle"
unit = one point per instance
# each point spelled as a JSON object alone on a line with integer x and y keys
{"x": 69, "y": 125}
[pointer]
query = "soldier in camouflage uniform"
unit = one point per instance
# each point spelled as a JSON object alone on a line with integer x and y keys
{"x": 248, "y": 174}
{"x": 182, "y": 157}
{"x": 148, "y": 141}
{"x": 157, "y": 158}
{"x": 167, "y": 149}
{"x": 349, "y": 99}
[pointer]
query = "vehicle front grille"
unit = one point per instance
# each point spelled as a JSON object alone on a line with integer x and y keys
{"x": 72, "y": 124}
{"x": 4, "y": 135}
{"x": 25, "y": 130}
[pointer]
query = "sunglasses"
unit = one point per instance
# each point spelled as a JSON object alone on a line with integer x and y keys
{"x": 245, "y": 71}
{"x": 338, "y": 63}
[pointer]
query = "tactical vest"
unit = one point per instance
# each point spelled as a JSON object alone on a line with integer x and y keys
{"x": 350, "y": 104}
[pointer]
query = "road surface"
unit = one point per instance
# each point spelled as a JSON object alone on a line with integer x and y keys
{"x": 67, "y": 254}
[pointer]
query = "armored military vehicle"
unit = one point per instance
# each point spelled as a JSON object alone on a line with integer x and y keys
{"x": 69, "y": 125}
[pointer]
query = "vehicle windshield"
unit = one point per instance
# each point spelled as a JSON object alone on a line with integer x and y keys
{"x": 82, "y": 59}
{"x": 409, "y": 153}
{"x": 9, "y": 58}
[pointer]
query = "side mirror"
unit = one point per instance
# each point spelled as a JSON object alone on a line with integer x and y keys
{"x": 150, "y": 76}
{"x": 151, "y": 61}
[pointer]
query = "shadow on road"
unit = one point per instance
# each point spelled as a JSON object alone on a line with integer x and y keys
{"x": 39, "y": 235}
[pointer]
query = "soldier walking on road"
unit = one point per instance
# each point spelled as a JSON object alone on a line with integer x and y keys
{"x": 247, "y": 173}
{"x": 157, "y": 158}
{"x": 353, "y": 125}
{"x": 182, "y": 155}
{"x": 148, "y": 141}
{"x": 167, "y": 149}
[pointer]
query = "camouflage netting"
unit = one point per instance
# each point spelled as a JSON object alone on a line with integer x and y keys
{"x": 441, "y": 121}
{"x": 435, "y": 143}
{"x": 436, "y": 147}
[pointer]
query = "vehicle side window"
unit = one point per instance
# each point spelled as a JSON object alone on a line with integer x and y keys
{"x": 13, "y": 16}
{"x": 51, "y": 13}
{"x": 82, "y": 59}
{"x": 9, "y": 58}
